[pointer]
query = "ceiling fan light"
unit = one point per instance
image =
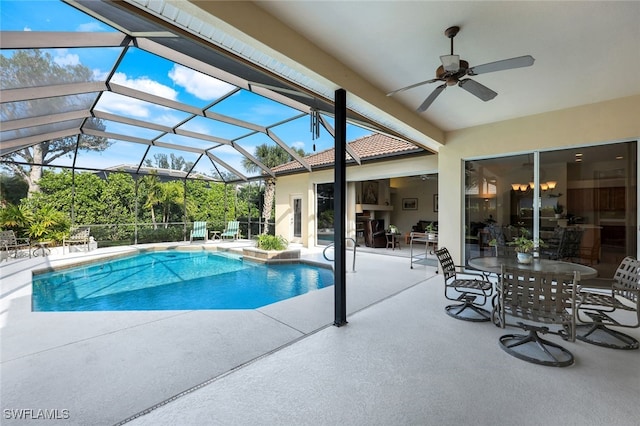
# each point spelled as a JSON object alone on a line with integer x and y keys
{"x": 515, "y": 186}
{"x": 552, "y": 184}
{"x": 450, "y": 63}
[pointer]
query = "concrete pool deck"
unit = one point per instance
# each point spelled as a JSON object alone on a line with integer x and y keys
{"x": 400, "y": 361}
{"x": 105, "y": 367}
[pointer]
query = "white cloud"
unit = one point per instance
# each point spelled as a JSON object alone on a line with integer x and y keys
{"x": 199, "y": 85}
{"x": 145, "y": 84}
{"x": 63, "y": 58}
{"x": 99, "y": 75}
{"x": 298, "y": 145}
{"x": 115, "y": 104}
{"x": 89, "y": 27}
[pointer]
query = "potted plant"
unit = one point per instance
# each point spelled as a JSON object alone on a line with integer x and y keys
{"x": 271, "y": 242}
{"x": 431, "y": 230}
{"x": 558, "y": 209}
{"x": 393, "y": 229}
{"x": 525, "y": 246}
{"x": 271, "y": 249}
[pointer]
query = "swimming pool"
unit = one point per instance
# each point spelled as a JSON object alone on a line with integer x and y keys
{"x": 174, "y": 280}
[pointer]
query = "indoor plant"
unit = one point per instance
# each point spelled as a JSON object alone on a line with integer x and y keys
{"x": 558, "y": 209}
{"x": 525, "y": 246}
{"x": 431, "y": 229}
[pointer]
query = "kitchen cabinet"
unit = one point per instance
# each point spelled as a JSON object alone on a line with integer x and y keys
{"x": 580, "y": 201}
{"x": 611, "y": 199}
{"x": 586, "y": 200}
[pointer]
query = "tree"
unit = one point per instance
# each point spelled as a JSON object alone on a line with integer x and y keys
{"x": 167, "y": 195}
{"x": 151, "y": 186}
{"x": 172, "y": 162}
{"x": 12, "y": 189}
{"x": 212, "y": 202}
{"x": 270, "y": 156}
{"x": 171, "y": 195}
{"x": 33, "y": 68}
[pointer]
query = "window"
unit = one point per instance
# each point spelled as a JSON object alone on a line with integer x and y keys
{"x": 592, "y": 189}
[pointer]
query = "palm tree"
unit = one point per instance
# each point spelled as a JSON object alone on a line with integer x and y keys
{"x": 171, "y": 194}
{"x": 151, "y": 184}
{"x": 270, "y": 156}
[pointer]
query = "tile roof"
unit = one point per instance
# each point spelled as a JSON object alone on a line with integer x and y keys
{"x": 367, "y": 148}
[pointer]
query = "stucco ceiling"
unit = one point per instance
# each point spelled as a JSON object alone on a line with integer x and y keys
{"x": 585, "y": 52}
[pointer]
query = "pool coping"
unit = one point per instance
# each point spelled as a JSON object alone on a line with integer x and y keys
{"x": 131, "y": 251}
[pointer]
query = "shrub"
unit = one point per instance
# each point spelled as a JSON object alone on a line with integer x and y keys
{"x": 271, "y": 242}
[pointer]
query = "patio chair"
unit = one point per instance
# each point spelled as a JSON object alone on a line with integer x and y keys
{"x": 9, "y": 242}
{"x": 565, "y": 245}
{"x": 199, "y": 231}
{"x": 538, "y": 297}
{"x": 465, "y": 287}
{"x": 78, "y": 236}
{"x": 598, "y": 299}
{"x": 232, "y": 230}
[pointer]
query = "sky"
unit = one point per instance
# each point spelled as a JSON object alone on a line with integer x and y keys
{"x": 152, "y": 74}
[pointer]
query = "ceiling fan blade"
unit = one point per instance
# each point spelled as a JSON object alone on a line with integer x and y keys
{"x": 433, "y": 80}
{"x": 477, "y": 89}
{"x": 432, "y": 97}
{"x": 505, "y": 64}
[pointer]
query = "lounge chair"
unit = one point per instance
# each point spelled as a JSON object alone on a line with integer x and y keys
{"x": 76, "y": 236}
{"x": 9, "y": 242}
{"x": 199, "y": 231}
{"x": 232, "y": 230}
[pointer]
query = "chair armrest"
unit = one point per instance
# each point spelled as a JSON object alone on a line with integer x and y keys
{"x": 596, "y": 283}
{"x": 463, "y": 270}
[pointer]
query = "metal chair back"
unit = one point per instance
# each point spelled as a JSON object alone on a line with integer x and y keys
{"x": 538, "y": 296}
{"x": 626, "y": 280}
{"x": 446, "y": 263}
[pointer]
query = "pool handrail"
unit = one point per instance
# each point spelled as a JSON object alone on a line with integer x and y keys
{"x": 355, "y": 245}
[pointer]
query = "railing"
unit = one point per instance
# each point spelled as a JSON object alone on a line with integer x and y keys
{"x": 355, "y": 245}
{"x": 113, "y": 234}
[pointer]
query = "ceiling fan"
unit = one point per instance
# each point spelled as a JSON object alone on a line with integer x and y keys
{"x": 453, "y": 69}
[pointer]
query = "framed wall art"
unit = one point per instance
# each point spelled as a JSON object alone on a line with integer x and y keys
{"x": 409, "y": 204}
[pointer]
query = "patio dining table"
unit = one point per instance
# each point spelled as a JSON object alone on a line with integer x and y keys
{"x": 494, "y": 265}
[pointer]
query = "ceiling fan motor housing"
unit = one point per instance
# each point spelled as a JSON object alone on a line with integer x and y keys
{"x": 452, "y": 78}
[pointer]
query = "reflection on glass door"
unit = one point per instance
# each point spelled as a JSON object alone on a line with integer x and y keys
{"x": 324, "y": 213}
{"x": 498, "y": 198}
{"x": 586, "y": 206}
{"x": 596, "y": 200}
{"x": 297, "y": 218}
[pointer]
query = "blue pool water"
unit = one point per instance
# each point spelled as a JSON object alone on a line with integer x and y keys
{"x": 174, "y": 280}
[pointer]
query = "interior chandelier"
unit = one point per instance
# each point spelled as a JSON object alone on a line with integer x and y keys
{"x": 543, "y": 186}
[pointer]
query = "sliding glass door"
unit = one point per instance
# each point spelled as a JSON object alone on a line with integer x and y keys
{"x": 590, "y": 192}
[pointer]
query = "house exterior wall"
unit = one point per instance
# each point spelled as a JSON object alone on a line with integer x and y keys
{"x": 423, "y": 192}
{"x": 612, "y": 121}
{"x": 303, "y": 185}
